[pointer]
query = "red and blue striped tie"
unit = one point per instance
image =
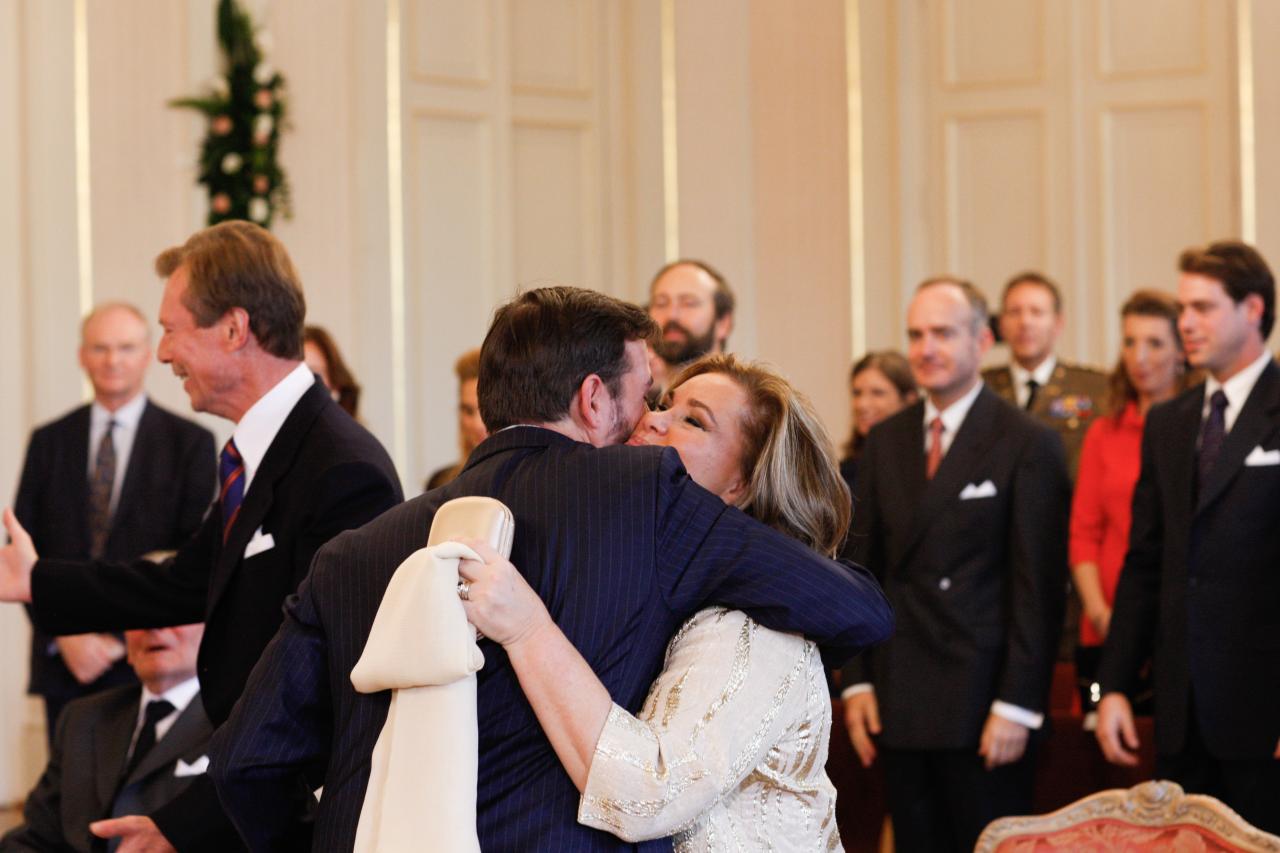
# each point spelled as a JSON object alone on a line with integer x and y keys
{"x": 231, "y": 473}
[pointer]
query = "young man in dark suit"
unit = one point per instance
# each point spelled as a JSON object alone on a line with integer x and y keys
{"x": 618, "y": 541}
{"x": 122, "y": 751}
{"x": 1200, "y": 588}
{"x": 297, "y": 472}
{"x": 117, "y": 478}
{"x": 962, "y": 514}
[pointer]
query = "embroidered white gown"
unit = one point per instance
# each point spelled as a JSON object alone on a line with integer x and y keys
{"x": 729, "y": 750}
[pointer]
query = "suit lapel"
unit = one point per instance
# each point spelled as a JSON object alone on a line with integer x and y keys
{"x": 111, "y": 740}
{"x": 1182, "y": 455}
{"x": 78, "y": 445}
{"x": 1256, "y": 421}
{"x": 132, "y": 474}
{"x": 175, "y": 742}
{"x": 257, "y": 501}
{"x": 966, "y": 453}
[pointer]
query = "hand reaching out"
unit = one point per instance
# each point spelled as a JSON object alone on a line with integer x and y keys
{"x": 17, "y": 559}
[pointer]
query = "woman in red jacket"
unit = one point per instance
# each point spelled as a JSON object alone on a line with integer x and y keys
{"x": 1151, "y": 369}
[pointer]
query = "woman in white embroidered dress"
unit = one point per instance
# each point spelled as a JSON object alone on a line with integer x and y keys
{"x": 729, "y": 750}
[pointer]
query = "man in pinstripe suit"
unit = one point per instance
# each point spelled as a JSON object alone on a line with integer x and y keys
{"x": 618, "y": 541}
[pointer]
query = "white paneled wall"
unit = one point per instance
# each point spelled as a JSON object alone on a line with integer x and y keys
{"x": 1091, "y": 140}
{"x": 509, "y": 177}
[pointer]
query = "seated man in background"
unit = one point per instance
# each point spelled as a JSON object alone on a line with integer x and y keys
{"x": 114, "y": 479}
{"x": 121, "y": 751}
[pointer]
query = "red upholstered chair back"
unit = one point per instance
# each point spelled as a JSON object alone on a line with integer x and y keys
{"x": 1150, "y": 816}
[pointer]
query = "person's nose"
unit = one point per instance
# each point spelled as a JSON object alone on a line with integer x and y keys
{"x": 654, "y": 422}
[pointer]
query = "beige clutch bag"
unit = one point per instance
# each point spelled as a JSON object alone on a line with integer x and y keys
{"x": 485, "y": 519}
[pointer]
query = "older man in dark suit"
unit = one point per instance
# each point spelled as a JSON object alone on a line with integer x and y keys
{"x": 121, "y": 751}
{"x": 618, "y": 541}
{"x": 1200, "y": 586}
{"x": 116, "y": 479}
{"x": 962, "y": 513}
{"x": 297, "y": 471}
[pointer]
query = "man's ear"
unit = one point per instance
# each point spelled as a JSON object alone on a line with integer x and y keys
{"x": 234, "y": 326}
{"x": 986, "y": 340}
{"x": 1254, "y": 307}
{"x": 589, "y": 409}
{"x": 724, "y": 328}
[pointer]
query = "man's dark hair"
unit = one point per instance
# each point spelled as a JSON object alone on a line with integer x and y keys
{"x": 1038, "y": 279}
{"x": 544, "y": 343}
{"x": 1241, "y": 270}
{"x": 723, "y": 299}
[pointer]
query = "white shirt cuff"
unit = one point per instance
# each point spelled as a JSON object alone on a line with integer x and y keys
{"x": 1016, "y": 714}
{"x": 855, "y": 689}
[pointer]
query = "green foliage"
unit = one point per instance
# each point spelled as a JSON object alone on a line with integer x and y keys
{"x": 246, "y": 112}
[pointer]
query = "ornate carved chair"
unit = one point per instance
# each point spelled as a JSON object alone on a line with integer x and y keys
{"x": 1149, "y": 816}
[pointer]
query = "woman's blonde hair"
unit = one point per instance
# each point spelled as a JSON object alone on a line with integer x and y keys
{"x": 788, "y": 460}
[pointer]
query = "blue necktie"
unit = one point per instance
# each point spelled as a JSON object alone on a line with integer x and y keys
{"x": 1215, "y": 430}
{"x": 231, "y": 473}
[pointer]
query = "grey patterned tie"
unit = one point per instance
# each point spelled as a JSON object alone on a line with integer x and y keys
{"x": 104, "y": 477}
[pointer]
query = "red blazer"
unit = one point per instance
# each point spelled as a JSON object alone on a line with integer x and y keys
{"x": 1100, "y": 512}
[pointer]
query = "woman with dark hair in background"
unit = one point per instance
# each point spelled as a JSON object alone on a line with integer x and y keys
{"x": 1151, "y": 369}
{"x": 880, "y": 384}
{"x": 322, "y": 356}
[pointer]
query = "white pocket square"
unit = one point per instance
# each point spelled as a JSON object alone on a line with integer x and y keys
{"x": 196, "y": 768}
{"x": 972, "y": 491}
{"x": 1259, "y": 457}
{"x": 259, "y": 543}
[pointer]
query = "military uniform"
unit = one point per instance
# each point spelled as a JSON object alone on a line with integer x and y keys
{"x": 1067, "y": 403}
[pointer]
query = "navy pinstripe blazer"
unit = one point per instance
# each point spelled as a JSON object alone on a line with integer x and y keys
{"x": 620, "y": 544}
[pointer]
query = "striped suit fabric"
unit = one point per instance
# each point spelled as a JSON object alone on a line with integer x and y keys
{"x": 621, "y": 545}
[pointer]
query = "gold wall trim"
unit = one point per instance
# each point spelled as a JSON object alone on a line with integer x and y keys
{"x": 84, "y": 207}
{"x": 1248, "y": 139}
{"x": 670, "y": 151}
{"x": 395, "y": 229}
{"x": 857, "y": 231}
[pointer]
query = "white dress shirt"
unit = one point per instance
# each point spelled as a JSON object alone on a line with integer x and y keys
{"x": 179, "y": 696}
{"x": 1237, "y": 388}
{"x": 126, "y": 430}
{"x": 952, "y": 419}
{"x": 258, "y": 427}
{"x": 1021, "y": 375}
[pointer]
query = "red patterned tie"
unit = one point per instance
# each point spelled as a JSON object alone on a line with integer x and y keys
{"x": 934, "y": 457}
{"x": 231, "y": 472}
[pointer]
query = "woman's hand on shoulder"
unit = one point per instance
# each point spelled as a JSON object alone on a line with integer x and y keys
{"x": 500, "y": 602}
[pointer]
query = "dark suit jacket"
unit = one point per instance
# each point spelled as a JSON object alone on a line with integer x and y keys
{"x": 1067, "y": 404}
{"x": 169, "y": 483}
{"x": 1200, "y": 586}
{"x": 977, "y": 584}
{"x": 323, "y": 474}
{"x": 620, "y": 544}
{"x": 82, "y": 783}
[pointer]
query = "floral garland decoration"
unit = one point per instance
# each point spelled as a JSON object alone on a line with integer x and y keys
{"x": 245, "y": 108}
